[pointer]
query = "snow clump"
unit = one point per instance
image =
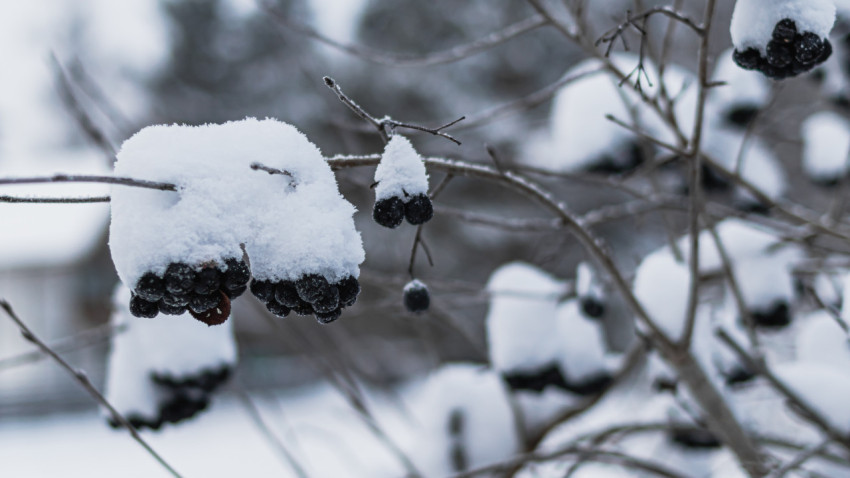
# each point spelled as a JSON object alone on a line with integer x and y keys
{"x": 401, "y": 190}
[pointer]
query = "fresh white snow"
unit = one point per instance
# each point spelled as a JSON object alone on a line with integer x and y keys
{"x": 826, "y": 145}
{"x": 661, "y": 286}
{"x": 401, "y": 172}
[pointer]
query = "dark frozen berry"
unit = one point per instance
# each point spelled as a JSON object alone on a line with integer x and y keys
{"x": 203, "y": 303}
{"x": 303, "y": 309}
{"x": 150, "y": 287}
{"x": 142, "y": 308}
{"x": 312, "y": 288}
{"x": 739, "y": 374}
{"x": 780, "y": 54}
{"x": 536, "y": 380}
{"x": 389, "y": 212}
{"x": 328, "y": 302}
{"x": 741, "y": 115}
{"x": 590, "y": 386}
{"x": 328, "y": 317}
{"x": 416, "y": 297}
{"x": 592, "y": 307}
{"x": 808, "y": 48}
{"x": 785, "y": 31}
{"x": 418, "y": 209}
{"x": 207, "y": 380}
{"x": 263, "y": 290}
{"x": 176, "y": 300}
{"x": 349, "y": 289}
{"x": 775, "y": 316}
{"x": 695, "y": 438}
{"x": 170, "y": 309}
{"x": 179, "y": 278}
{"x": 234, "y": 293}
{"x": 749, "y": 59}
{"x": 236, "y": 275}
{"x": 286, "y": 294}
{"x": 208, "y": 281}
{"x": 277, "y": 309}
{"x": 183, "y": 406}
{"x": 217, "y": 315}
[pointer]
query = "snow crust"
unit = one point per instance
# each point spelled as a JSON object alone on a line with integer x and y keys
{"x": 177, "y": 348}
{"x": 826, "y": 145}
{"x": 753, "y": 21}
{"x": 661, "y": 286}
{"x": 487, "y": 431}
{"x": 401, "y": 172}
{"x": 521, "y": 318}
{"x": 291, "y": 224}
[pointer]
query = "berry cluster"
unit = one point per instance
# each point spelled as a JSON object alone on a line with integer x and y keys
{"x": 311, "y": 294}
{"x": 789, "y": 52}
{"x": 697, "y": 438}
{"x": 204, "y": 291}
{"x": 392, "y": 211}
{"x": 551, "y": 375}
{"x": 180, "y": 398}
{"x": 417, "y": 299}
{"x": 776, "y": 315}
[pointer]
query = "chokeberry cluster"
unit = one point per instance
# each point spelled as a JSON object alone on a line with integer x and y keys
{"x": 788, "y": 53}
{"x": 181, "y": 398}
{"x": 311, "y": 294}
{"x": 550, "y": 375}
{"x": 204, "y": 291}
{"x": 392, "y": 211}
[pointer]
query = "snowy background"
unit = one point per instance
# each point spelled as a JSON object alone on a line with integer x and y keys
{"x": 81, "y": 77}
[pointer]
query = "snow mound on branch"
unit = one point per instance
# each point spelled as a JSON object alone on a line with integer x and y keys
{"x": 755, "y": 162}
{"x": 822, "y": 340}
{"x": 401, "y": 172}
{"x": 465, "y": 417}
{"x": 744, "y": 90}
{"x": 754, "y": 20}
{"x": 740, "y": 239}
{"x": 825, "y": 389}
{"x": 292, "y": 224}
{"x": 146, "y": 353}
{"x": 662, "y": 286}
{"x": 581, "y": 136}
{"x": 582, "y": 345}
{"x": 766, "y": 280}
{"x": 826, "y": 144}
{"x": 523, "y": 306}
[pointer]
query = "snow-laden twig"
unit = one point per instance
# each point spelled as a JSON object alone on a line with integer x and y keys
{"x": 53, "y": 200}
{"x": 78, "y": 178}
{"x": 80, "y": 377}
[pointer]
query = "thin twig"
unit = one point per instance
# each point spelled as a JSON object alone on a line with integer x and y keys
{"x": 80, "y": 377}
{"x": 802, "y": 458}
{"x": 53, "y": 200}
{"x": 72, "y": 178}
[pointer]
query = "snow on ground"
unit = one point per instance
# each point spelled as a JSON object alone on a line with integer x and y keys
{"x": 314, "y": 423}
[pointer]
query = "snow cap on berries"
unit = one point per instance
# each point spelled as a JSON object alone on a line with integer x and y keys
{"x": 401, "y": 172}
{"x": 523, "y": 307}
{"x": 754, "y": 21}
{"x": 164, "y": 370}
{"x": 826, "y": 145}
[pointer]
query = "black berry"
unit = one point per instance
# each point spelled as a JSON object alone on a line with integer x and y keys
{"x": 179, "y": 278}
{"x": 203, "y": 303}
{"x": 537, "y": 380}
{"x": 140, "y": 307}
{"x": 808, "y": 48}
{"x": 150, "y": 287}
{"x": 236, "y": 275}
{"x": 277, "y": 309}
{"x": 695, "y": 438}
{"x": 349, "y": 289}
{"x": 775, "y": 316}
{"x": 389, "y": 212}
{"x": 263, "y": 290}
{"x": 176, "y": 300}
{"x": 328, "y": 317}
{"x": 416, "y": 297}
{"x": 312, "y": 287}
{"x": 216, "y": 315}
{"x": 418, "y": 209}
{"x": 741, "y": 115}
{"x": 170, "y": 309}
{"x": 590, "y": 386}
{"x": 208, "y": 281}
{"x": 286, "y": 294}
{"x": 234, "y": 293}
{"x": 785, "y": 31}
{"x": 749, "y": 59}
{"x": 328, "y": 302}
{"x": 592, "y": 307}
{"x": 780, "y": 54}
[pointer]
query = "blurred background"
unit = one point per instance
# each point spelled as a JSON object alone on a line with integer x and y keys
{"x": 81, "y": 76}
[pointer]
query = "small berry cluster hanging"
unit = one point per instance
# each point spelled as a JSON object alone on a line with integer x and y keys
{"x": 788, "y": 53}
{"x": 401, "y": 186}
